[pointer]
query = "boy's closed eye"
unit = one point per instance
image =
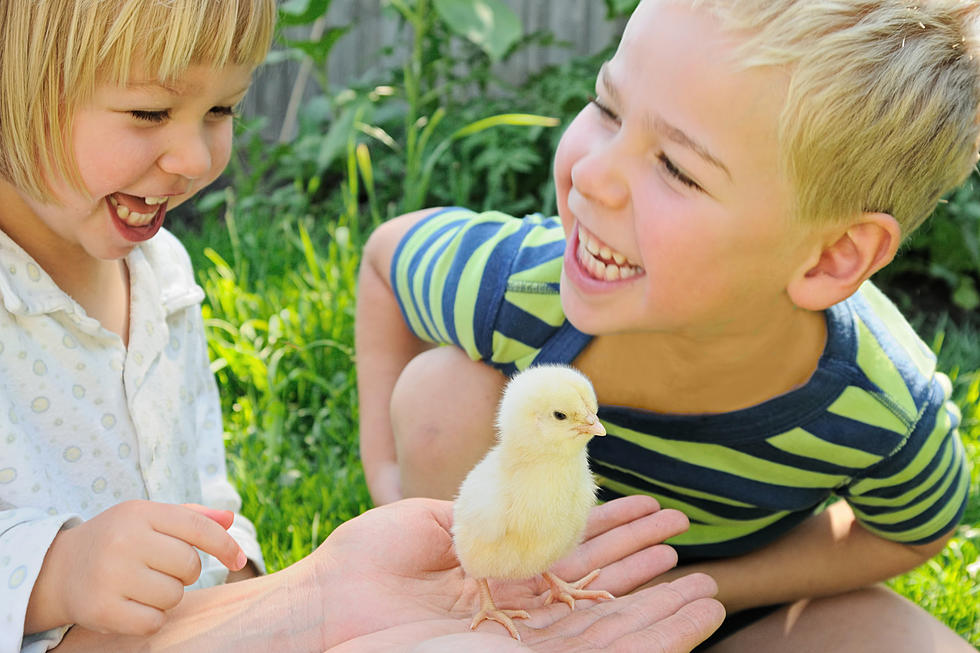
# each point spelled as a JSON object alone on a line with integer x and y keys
{"x": 668, "y": 165}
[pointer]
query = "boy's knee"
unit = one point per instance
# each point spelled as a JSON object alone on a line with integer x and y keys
{"x": 442, "y": 410}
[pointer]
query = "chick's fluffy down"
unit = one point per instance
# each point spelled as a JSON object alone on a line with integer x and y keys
{"x": 520, "y": 528}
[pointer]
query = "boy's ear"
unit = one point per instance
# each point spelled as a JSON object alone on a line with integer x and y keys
{"x": 848, "y": 257}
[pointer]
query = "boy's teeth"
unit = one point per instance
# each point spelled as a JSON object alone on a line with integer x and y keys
{"x": 613, "y": 266}
{"x": 153, "y": 201}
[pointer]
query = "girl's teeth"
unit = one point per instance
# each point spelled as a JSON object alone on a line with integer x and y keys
{"x": 136, "y": 218}
{"x": 132, "y": 218}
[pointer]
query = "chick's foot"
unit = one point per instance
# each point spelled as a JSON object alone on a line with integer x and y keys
{"x": 568, "y": 592}
{"x": 489, "y": 610}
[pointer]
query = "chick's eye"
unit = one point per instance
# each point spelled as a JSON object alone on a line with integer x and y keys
{"x": 558, "y": 415}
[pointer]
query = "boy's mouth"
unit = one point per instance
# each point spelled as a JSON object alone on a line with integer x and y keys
{"x": 137, "y": 218}
{"x": 602, "y": 262}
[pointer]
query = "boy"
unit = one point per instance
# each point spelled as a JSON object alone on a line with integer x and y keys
{"x": 744, "y": 169}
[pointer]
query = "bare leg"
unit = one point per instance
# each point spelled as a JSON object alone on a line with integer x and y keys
{"x": 489, "y": 610}
{"x": 442, "y": 414}
{"x": 870, "y": 620}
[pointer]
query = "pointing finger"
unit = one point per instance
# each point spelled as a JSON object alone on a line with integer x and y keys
{"x": 225, "y": 518}
{"x": 200, "y": 531}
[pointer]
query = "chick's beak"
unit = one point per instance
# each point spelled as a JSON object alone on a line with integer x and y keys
{"x": 592, "y": 426}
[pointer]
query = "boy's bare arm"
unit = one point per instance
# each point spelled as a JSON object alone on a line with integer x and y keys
{"x": 384, "y": 345}
{"x": 828, "y": 554}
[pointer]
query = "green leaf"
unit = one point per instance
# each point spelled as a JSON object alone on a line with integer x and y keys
{"x": 519, "y": 119}
{"x": 966, "y": 295}
{"x": 320, "y": 49}
{"x": 302, "y": 12}
{"x": 489, "y": 24}
{"x": 616, "y": 8}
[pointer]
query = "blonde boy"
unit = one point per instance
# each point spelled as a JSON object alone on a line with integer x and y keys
{"x": 745, "y": 167}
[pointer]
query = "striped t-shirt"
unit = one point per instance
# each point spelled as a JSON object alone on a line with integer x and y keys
{"x": 874, "y": 424}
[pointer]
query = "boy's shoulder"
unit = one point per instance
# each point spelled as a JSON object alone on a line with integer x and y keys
{"x": 869, "y": 334}
{"x": 498, "y": 243}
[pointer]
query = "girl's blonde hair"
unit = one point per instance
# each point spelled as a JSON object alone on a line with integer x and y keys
{"x": 54, "y": 52}
{"x": 882, "y": 107}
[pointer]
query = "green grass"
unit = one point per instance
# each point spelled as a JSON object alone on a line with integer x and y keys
{"x": 280, "y": 315}
{"x": 282, "y": 351}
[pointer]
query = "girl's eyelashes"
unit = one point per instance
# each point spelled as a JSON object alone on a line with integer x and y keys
{"x": 159, "y": 116}
{"x": 150, "y": 116}
{"x": 224, "y": 111}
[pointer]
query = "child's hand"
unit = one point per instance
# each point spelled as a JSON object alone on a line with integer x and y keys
{"x": 121, "y": 570}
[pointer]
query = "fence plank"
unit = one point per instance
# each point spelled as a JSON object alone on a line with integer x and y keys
{"x": 579, "y": 23}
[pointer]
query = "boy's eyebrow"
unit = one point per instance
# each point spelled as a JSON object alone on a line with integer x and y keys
{"x": 655, "y": 123}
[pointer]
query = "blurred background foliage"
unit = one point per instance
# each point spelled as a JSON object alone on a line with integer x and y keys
{"x": 277, "y": 242}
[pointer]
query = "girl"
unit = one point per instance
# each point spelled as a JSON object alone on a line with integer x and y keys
{"x": 112, "y": 113}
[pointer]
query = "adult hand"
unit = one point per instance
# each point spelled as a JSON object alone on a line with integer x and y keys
{"x": 390, "y": 580}
{"x": 669, "y": 618}
{"x": 121, "y": 570}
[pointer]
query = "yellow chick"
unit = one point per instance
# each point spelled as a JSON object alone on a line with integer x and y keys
{"x": 525, "y": 505}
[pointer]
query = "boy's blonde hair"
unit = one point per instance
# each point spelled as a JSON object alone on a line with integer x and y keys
{"x": 882, "y": 107}
{"x": 54, "y": 52}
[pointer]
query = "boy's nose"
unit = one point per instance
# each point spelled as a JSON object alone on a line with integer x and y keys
{"x": 188, "y": 154}
{"x": 598, "y": 177}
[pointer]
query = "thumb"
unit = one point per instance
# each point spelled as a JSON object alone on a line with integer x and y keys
{"x": 224, "y": 518}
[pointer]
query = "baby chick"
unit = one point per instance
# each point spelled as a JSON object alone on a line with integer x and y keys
{"x": 525, "y": 505}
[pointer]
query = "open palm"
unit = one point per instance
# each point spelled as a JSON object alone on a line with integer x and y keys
{"x": 415, "y": 596}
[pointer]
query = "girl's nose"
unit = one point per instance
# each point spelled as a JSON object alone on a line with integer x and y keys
{"x": 598, "y": 175}
{"x": 188, "y": 153}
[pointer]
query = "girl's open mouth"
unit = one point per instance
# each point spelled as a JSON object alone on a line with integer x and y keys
{"x": 137, "y": 218}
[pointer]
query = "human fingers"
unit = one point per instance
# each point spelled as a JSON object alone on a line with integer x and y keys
{"x": 224, "y": 518}
{"x": 611, "y": 514}
{"x": 199, "y": 531}
{"x": 661, "y": 612}
{"x": 103, "y": 600}
{"x": 679, "y": 633}
{"x": 124, "y": 617}
{"x": 629, "y": 555}
{"x": 155, "y": 589}
{"x": 171, "y": 556}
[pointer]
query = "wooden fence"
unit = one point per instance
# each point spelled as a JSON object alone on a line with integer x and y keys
{"x": 580, "y": 23}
